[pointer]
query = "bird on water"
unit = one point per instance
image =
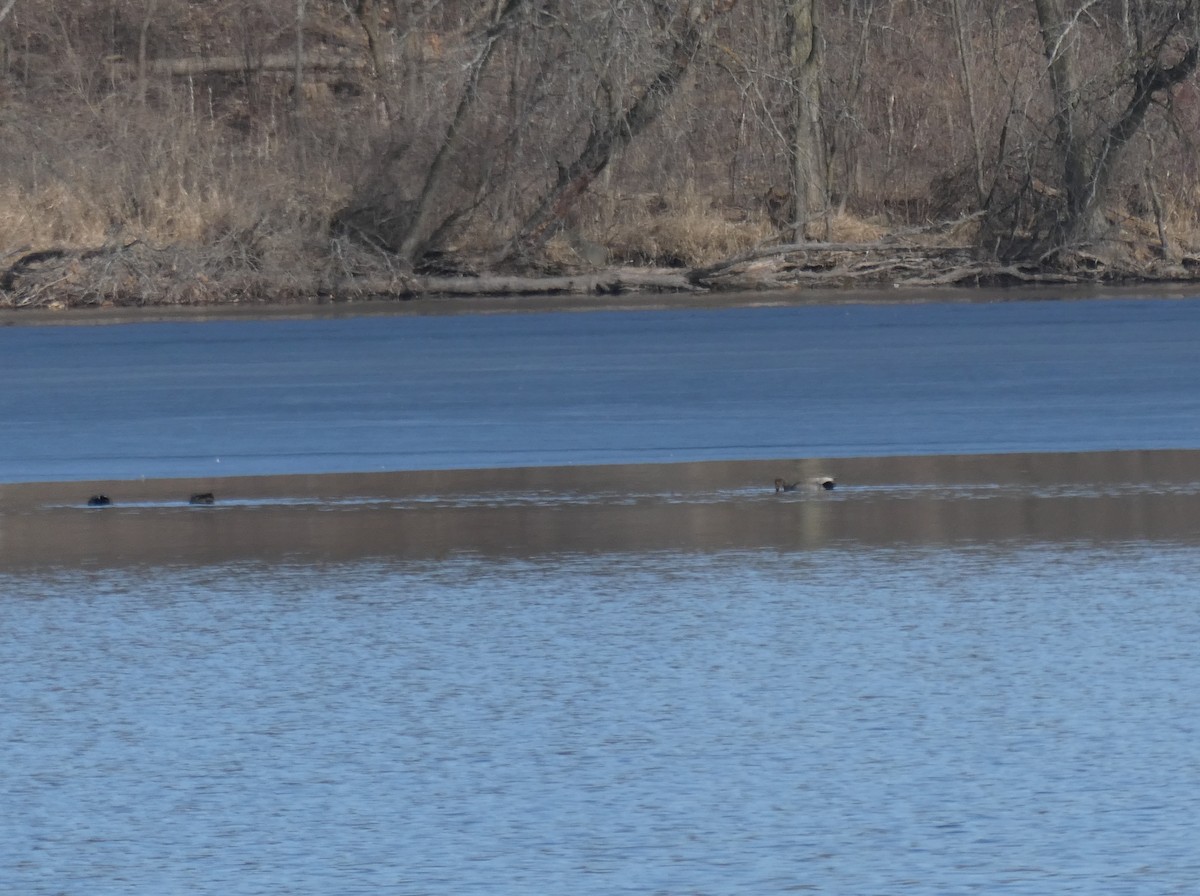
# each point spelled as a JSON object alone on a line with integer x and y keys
{"x": 821, "y": 483}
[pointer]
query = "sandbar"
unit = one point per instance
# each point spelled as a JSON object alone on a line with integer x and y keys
{"x": 879, "y": 502}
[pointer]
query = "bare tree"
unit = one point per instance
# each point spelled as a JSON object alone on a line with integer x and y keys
{"x": 415, "y": 190}
{"x": 807, "y": 140}
{"x": 1165, "y": 51}
{"x": 544, "y": 96}
{"x": 613, "y": 128}
{"x": 422, "y": 224}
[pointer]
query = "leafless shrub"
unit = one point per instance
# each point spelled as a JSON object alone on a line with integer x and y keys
{"x": 121, "y": 128}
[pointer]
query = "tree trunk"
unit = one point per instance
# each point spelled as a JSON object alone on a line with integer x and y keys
{"x": 368, "y": 18}
{"x": 960, "y": 32}
{"x": 807, "y": 139}
{"x": 1058, "y": 43}
{"x": 298, "y": 73}
{"x": 143, "y": 37}
{"x": 425, "y": 218}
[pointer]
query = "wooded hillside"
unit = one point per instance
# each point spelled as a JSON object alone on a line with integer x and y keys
{"x": 256, "y": 150}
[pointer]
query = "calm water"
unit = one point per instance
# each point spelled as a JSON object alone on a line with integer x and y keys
{"x": 950, "y": 675}
{"x": 232, "y": 398}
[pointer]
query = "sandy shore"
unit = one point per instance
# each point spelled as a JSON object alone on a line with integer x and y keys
{"x": 517, "y": 512}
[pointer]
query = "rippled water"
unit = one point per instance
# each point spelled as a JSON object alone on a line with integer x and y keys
{"x": 952, "y": 674}
{"x": 1017, "y": 718}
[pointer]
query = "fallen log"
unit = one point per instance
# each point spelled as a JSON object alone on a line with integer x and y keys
{"x": 137, "y": 274}
{"x": 826, "y": 256}
{"x": 8, "y": 278}
{"x": 603, "y": 283}
{"x": 991, "y": 273}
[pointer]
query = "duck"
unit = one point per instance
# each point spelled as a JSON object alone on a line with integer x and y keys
{"x": 99, "y": 501}
{"x": 202, "y": 498}
{"x": 820, "y": 483}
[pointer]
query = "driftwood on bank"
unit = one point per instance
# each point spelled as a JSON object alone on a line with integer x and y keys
{"x": 839, "y": 264}
{"x": 787, "y": 266}
{"x": 616, "y": 281}
{"x": 893, "y": 263}
{"x": 32, "y": 278}
{"x": 137, "y": 274}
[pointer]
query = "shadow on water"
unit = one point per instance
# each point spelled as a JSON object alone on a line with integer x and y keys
{"x": 709, "y": 506}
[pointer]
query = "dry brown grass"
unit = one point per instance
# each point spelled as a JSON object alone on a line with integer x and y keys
{"x": 49, "y": 215}
{"x": 208, "y": 211}
{"x": 847, "y": 228}
{"x": 146, "y": 206}
{"x": 677, "y": 229}
{"x": 217, "y": 186}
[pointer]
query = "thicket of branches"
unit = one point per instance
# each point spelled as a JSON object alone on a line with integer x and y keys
{"x": 247, "y": 142}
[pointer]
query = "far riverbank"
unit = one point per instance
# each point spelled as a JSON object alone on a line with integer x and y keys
{"x": 319, "y": 307}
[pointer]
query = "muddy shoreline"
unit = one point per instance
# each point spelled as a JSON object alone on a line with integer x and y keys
{"x": 706, "y": 506}
{"x": 324, "y": 308}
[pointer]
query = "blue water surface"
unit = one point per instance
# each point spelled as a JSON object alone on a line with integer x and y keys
{"x": 986, "y": 719}
{"x": 865, "y": 716}
{"x": 395, "y": 393}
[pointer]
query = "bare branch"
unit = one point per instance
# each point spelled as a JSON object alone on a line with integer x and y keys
{"x": 616, "y": 129}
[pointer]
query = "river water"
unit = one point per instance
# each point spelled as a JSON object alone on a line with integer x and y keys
{"x": 410, "y": 393}
{"x": 513, "y": 671}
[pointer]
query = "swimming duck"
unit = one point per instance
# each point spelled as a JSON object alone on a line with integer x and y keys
{"x": 821, "y": 483}
{"x": 202, "y": 498}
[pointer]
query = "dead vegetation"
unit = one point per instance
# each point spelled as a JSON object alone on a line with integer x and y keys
{"x": 179, "y": 153}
